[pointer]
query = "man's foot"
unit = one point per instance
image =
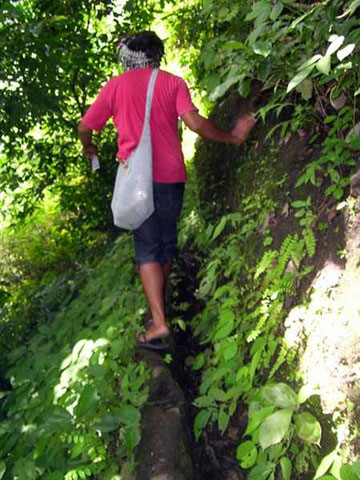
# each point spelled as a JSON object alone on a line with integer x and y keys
{"x": 155, "y": 344}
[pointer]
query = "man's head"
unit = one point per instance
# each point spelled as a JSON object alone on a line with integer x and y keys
{"x": 144, "y": 49}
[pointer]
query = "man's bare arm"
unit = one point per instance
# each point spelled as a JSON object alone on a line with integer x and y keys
{"x": 85, "y": 135}
{"x": 206, "y": 129}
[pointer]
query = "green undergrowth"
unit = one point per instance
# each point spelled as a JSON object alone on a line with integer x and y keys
{"x": 255, "y": 262}
{"x": 270, "y": 218}
{"x": 74, "y": 408}
{"x": 249, "y": 277}
{"x": 40, "y": 257}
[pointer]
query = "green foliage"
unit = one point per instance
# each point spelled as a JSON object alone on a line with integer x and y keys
{"x": 74, "y": 410}
{"x": 76, "y": 388}
{"x": 39, "y": 260}
{"x": 55, "y": 57}
{"x": 274, "y": 425}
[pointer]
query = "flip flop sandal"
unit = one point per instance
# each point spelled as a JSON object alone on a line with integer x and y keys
{"x": 156, "y": 344}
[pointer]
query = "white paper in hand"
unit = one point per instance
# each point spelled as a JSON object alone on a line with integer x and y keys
{"x": 95, "y": 163}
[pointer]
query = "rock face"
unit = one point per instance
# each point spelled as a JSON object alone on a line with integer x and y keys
{"x": 163, "y": 453}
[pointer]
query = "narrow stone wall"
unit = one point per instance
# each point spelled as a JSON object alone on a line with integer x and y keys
{"x": 163, "y": 453}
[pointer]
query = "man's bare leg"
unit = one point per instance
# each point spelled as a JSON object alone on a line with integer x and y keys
{"x": 153, "y": 280}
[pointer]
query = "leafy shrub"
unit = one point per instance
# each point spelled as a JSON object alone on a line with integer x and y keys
{"x": 73, "y": 410}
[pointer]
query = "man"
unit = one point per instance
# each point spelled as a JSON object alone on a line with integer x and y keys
{"x": 123, "y": 98}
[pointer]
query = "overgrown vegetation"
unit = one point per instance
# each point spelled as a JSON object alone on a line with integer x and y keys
{"x": 68, "y": 319}
{"x": 73, "y": 410}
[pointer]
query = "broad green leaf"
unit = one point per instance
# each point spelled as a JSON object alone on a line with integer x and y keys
{"x": 345, "y": 52}
{"x": 308, "y": 428}
{"x": 329, "y": 119}
{"x": 354, "y": 5}
{"x": 355, "y": 143}
{"x": 259, "y": 344}
{"x": 226, "y": 316}
{"x": 256, "y": 418}
{"x": 286, "y": 468}
{"x": 87, "y": 401}
{"x": 244, "y": 87}
{"x": 200, "y": 422}
{"x": 355, "y": 467}
{"x": 225, "y": 330}
{"x": 336, "y": 42}
{"x": 325, "y": 464}
{"x": 219, "y": 228}
{"x": 247, "y": 454}
{"x": 305, "y": 392}
{"x": 2, "y": 469}
{"x": 234, "y": 45}
{"x": 24, "y": 469}
{"x": 204, "y": 401}
{"x": 59, "y": 420}
{"x": 181, "y": 324}
{"x": 274, "y": 452}
{"x": 276, "y": 11}
{"x": 242, "y": 373}
{"x": 262, "y": 471}
{"x": 310, "y": 62}
{"x": 336, "y": 467}
{"x": 255, "y": 363}
{"x": 275, "y": 427}
{"x": 305, "y": 88}
{"x": 207, "y": 5}
{"x": 219, "y": 91}
{"x": 343, "y": 66}
{"x": 199, "y": 362}
{"x": 107, "y": 423}
{"x": 327, "y": 477}
{"x": 262, "y": 48}
{"x": 77, "y": 450}
{"x": 223, "y": 420}
{"x": 299, "y": 77}
{"x": 298, "y": 204}
{"x": 217, "y": 394}
{"x": 54, "y": 476}
{"x": 260, "y": 12}
{"x": 324, "y": 64}
{"x": 346, "y": 473}
{"x": 230, "y": 350}
{"x": 132, "y": 437}
{"x": 280, "y": 395}
{"x": 128, "y": 414}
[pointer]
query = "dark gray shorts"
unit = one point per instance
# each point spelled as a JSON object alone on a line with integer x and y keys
{"x": 155, "y": 240}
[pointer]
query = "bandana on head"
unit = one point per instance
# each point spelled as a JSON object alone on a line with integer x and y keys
{"x": 131, "y": 59}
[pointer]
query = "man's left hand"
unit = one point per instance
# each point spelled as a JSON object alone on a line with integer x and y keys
{"x": 243, "y": 127}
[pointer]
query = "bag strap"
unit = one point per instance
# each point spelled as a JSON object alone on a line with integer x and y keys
{"x": 149, "y": 95}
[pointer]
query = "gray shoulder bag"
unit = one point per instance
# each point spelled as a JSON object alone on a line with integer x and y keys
{"x": 132, "y": 202}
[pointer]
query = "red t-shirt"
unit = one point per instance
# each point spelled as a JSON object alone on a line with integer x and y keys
{"x": 124, "y": 98}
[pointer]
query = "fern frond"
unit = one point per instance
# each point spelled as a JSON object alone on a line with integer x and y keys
{"x": 288, "y": 246}
{"x": 280, "y": 359}
{"x": 298, "y": 252}
{"x": 265, "y": 262}
{"x": 258, "y": 329}
{"x": 275, "y": 313}
{"x": 310, "y": 241}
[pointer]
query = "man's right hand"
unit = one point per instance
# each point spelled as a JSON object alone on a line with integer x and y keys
{"x": 85, "y": 135}
{"x": 90, "y": 150}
